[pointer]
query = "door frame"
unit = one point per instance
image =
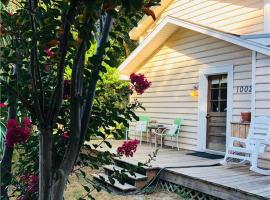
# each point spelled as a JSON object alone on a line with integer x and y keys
{"x": 202, "y": 103}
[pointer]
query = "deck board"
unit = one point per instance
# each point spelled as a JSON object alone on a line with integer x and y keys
{"x": 197, "y": 173}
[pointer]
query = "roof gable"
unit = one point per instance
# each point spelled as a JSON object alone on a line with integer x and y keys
{"x": 166, "y": 28}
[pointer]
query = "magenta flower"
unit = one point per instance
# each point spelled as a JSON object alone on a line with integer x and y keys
{"x": 139, "y": 83}
{"x": 18, "y": 132}
{"x": 49, "y": 53}
{"x": 65, "y": 135}
{"x": 128, "y": 148}
{"x": 12, "y": 123}
{"x": 27, "y": 122}
{"x": 32, "y": 184}
{"x": 2, "y": 105}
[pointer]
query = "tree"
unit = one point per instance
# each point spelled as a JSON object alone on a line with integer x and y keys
{"x": 51, "y": 37}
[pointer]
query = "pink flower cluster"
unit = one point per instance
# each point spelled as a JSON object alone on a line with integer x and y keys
{"x": 31, "y": 182}
{"x": 18, "y": 132}
{"x": 2, "y": 105}
{"x": 49, "y": 53}
{"x": 139, "y": 83}
{"x": 65, "y": 135}
{"x": 128, "y": 148}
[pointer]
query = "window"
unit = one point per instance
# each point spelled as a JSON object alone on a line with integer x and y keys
{"x": 217, "y": 97}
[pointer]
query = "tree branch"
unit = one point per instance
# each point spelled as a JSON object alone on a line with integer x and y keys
{"x": 34, "y": 66}
{"x": 94, "y": 78}
{"x": 57, "y": 96}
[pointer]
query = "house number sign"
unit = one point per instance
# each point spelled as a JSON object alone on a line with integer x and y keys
{"x": 244, "y": 89}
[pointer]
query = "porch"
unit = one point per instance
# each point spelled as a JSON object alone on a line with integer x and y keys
{"x": 201, "y": 173}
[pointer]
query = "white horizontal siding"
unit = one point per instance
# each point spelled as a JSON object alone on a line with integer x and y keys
{"x": 174, "y": 70}
{"x": 262, "y": 94}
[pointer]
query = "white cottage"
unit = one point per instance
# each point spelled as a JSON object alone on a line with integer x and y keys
{"x": 221, "y": 47}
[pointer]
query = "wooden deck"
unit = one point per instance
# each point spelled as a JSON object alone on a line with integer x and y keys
{"x": 201, "y": 174}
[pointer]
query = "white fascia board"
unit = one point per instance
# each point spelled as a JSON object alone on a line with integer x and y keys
{"x": 123, "y": 77}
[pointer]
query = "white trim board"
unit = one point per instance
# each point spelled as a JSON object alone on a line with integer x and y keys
{"x": 167, "y": 27}
{"x": 253, "y": 84}
{"x": 202, "y": 102}
{"x": 266, "y": 16}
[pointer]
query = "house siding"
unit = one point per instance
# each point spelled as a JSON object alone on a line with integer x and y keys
{"x": 233, "y": 16}
{"x": 174, "y": 70}
{"x": 262, "y": 92}
{"x": 262, "y": 96}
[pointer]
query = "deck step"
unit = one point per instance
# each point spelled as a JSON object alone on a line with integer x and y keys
{"x": 150, "y": 172}
{"x": 126, "y": 187}
{"x": 135, "y": 177}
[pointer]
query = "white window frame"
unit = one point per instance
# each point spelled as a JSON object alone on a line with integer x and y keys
{"x": 202, "y": 102}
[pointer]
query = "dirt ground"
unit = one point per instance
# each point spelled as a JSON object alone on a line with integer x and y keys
{"x": 75, "y": 191}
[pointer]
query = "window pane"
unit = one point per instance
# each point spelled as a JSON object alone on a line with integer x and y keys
{"x": 223, "y": 81}
{"x": 214, "y": 106}
{"x": 214, "y": 94}
{"x": 223, "y": 93}
{"x": 223, "y": 106}
{"x": 214, "y": 83}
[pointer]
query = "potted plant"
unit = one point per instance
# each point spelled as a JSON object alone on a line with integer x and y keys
{"x": 246, "y": 116}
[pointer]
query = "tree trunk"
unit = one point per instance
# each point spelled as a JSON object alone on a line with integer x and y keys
{"x": 61, "y": 177}
{"x": 45, "y": 165}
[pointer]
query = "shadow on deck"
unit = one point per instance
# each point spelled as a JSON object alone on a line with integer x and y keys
{"x": 201, "y": 174}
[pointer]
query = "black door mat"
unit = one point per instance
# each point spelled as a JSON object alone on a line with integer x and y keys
{"x": 206, "y": 155}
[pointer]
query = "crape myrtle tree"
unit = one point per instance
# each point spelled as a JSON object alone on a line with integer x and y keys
{"x": 45, "y": 39}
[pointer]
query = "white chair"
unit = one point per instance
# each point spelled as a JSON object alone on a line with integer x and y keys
{"x": 141, "y": 127}
{"x": 171, "y": 131}
{"x": 248, "y": 150}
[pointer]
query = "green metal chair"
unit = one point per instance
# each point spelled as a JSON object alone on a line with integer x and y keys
{"x": 173, "y": 131}
{"x": 144, "y": 118}
{"x": 141, "y": 127}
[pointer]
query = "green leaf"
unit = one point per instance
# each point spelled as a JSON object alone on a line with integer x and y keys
{"x": 112, "y": 181}
{"x": 5, "y": 2}
{"x": 83, "y": 173}
{"x": 86, "y": 188}
{"x": 108, "y": 144}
